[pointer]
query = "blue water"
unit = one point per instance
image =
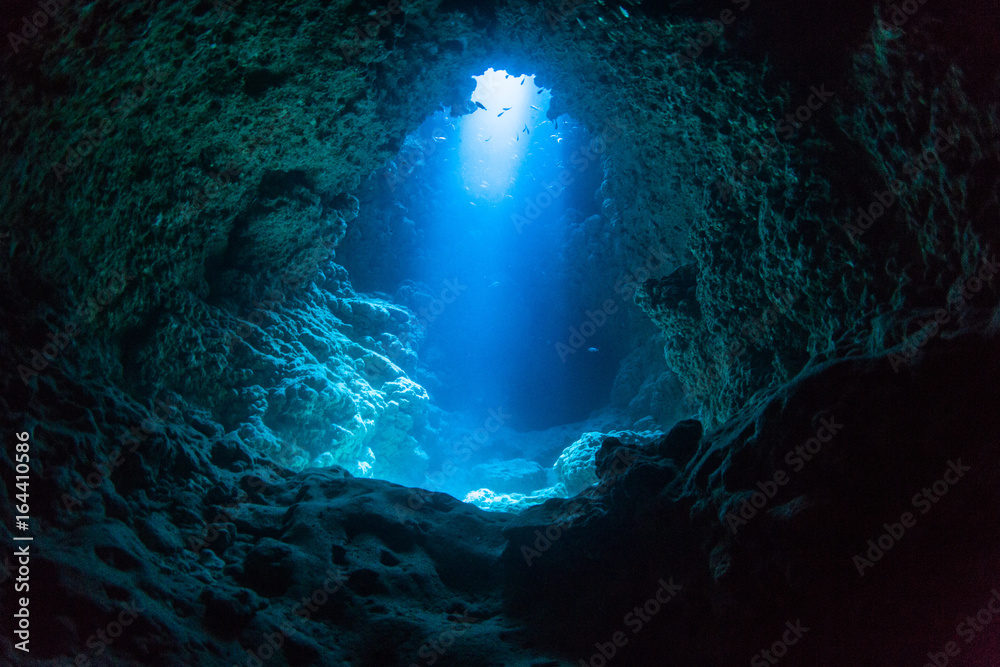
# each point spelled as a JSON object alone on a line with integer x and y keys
{"x": 493, "y": 228}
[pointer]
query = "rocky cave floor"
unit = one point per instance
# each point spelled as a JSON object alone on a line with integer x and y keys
{"x": 858, "y": 504}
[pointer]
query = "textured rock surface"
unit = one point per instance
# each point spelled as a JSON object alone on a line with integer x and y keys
{"x": 781, "y": 269}
{"x": 223, "y": 555}
{"x": 313, "y": 376}
{"x": 286, "y": 129}
{"x": 215, "y": 549}
{"x": 647, "y": 391}
{"x": 576, "y": 467}
{"x": 176, "y": 178}
{"x": 794, "y": 557}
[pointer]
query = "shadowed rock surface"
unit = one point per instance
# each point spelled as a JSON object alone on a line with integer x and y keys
{"x": 801, "y": 441}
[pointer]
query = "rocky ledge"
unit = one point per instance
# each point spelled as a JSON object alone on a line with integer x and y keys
{"x": 849, "y": 519}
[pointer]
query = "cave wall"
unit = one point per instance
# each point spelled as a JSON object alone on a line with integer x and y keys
{"x": 786, "y": 268}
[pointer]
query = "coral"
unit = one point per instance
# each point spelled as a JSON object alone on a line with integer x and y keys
{"x": 510, "y": 476}
{"x": 489, "y": 501}
{"x": 576, "y": 468}
{"x": 310, "y": 377}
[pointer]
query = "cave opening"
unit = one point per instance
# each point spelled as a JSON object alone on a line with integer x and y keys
{"x": 469, "y": 228}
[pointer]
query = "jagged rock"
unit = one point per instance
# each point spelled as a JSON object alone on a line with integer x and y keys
{"x": 785, "y": 499}
{"x": 681, "y": 442}
{"x": 575, "y": 467}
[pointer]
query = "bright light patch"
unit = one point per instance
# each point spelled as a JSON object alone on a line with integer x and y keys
{"x": 497, "y": 137}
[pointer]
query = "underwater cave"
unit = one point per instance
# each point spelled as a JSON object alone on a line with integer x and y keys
{"x": 484, "y": 226}
{"x": 500, "y": 333}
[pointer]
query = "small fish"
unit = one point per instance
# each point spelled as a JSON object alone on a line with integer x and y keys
{"x": 535, "y": 108}
{"x": 540, "y": 90}
{"x": 480, "y": 105}
{"x": 491, "y": 136}
{"x": 522, "y": 81}
{"x": 518, "y": 137}
{"x": 526, "y": 128}
{"x": 592, "y": 349}
{"x": 506, "y": 108}
{"x": 501, "y": 113}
